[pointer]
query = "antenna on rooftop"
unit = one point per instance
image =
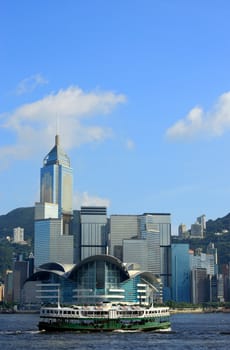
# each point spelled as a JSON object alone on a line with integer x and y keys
{"x": 57, "y": 130}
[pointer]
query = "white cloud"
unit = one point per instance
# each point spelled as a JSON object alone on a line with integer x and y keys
{"x": 130, "y": 145}
{"x": 31, "y": 83}
{"x": 84, "y": 199}
{"x": 199, "y": 123}
{"x": 34, "y": 124}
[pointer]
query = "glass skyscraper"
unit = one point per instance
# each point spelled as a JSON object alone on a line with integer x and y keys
{"x": 56, "y": 183}
{"x": 181, "y": 273}
{"x": 54, "y": 213}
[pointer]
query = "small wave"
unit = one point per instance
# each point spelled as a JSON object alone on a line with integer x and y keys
{"x": 19, "y": 332}
{"x": 127, "y": 331}
{"x": 34, "y": 332}
{"x": 10, "y": 332}
{"x": 166, "y": 330}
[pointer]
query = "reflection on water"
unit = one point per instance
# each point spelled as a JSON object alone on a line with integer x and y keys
{"x": 189, "y": 331}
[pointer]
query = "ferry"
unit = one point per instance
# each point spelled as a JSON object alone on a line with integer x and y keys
{"x": 105, "y": 317}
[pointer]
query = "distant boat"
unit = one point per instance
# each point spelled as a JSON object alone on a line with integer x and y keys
{"x": 104, "y": 317}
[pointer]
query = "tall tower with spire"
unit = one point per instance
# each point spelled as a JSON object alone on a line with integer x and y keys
{"x": 56, "y": 183}
{"x": 54, "y": 212}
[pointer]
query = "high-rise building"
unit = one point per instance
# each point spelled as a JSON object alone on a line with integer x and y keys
{"x": 122, "y": 227}
{"x": 196, "y": 230}
{"x": 211, "y": 250}
{"x": 18, "y": 235}
{"x": 20, "y": 274}
{"x": 151, "y": 232}
{"x": 163, "y": 222}
{"x": 200, "y": 286}
{"x": 2, "y": 287}
{"x": 226, "y": 281}
{"x": 182, "y": 231}
{"x": 94, "y": 231}
{"x": 54, "y": 213}
{"x": 8, "y": 293}
{"x": 202, "y": 221}
{"x": 134, "y": 252}
{"x": 213, "y": 282}
{"x": 56, "y": 183}
{"x": 181, "y": 273}
{"x": 199, "y": 227}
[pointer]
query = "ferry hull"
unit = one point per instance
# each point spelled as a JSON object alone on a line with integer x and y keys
{"x": 105, "y": 326}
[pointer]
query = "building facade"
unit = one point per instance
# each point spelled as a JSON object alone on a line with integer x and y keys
{"x": 122, "y": 227}
{"x": 18, "y": 235}
{"x": 94, "y": 231}
{"x": 151, "y": 234}
{"x": 181, "y": 273}
{"x": 54, "y": 239}
{"x": 95, "y": 279}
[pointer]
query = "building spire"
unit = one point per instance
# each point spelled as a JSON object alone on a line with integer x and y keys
{"x": 57, "y": 131}
{"x": 57, "y": 140}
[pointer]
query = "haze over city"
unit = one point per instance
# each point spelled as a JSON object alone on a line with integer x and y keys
{"x": 139, "y": 92}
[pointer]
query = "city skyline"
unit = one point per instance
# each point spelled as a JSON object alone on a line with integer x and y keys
{"x": 139, "y": 94}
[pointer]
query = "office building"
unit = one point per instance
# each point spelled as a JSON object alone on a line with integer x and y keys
{"x": 2, "y": 287}
{"x": 226, "y": 281}
{"x": 211, "y": 250}
{"x": 94, "y": 231}
{"x": 20, "y": 274}
{"x": 182, "y": 231}
{"x": 202, "y": 221}
{"x": 205, "y": 273}
{"x": 163, "y": 223}
{"x": 53, "y": 214}
{"x": 196, "y": 230}
{"x": 151, "y": 233}
{"x": 134, "y": 252}
{"x": 200, "y": 286}
{"x": 56, "y": 183}
{"x": 122, "y": 227}
{"x": 181, "y": 273}
{"x": 18, "y": 235}
{"x": 8, "y": 293}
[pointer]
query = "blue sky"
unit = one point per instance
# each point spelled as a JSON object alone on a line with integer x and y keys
{"x": 141, "y": 92}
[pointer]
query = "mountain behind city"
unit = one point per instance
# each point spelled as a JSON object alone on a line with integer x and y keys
{"x": 217, "y": 231}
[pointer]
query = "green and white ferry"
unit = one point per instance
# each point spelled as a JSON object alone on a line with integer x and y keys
{"x": 105, "y": 317}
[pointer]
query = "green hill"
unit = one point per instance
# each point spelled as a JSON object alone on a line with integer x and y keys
{"x": 218, "y": 225}
{"x": 23, "y": 217}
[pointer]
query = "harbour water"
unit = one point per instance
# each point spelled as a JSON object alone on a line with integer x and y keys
{"x": 189, "y": 331}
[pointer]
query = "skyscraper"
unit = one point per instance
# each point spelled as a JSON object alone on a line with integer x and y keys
{"x": 122, "y": 227}
{"x": 56, "y": 183}
{"x": 181, "y": 273}
{"x": 152, "y": 232}
{"x": 54, "y": 213}
{"x": 94, "y": 231}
